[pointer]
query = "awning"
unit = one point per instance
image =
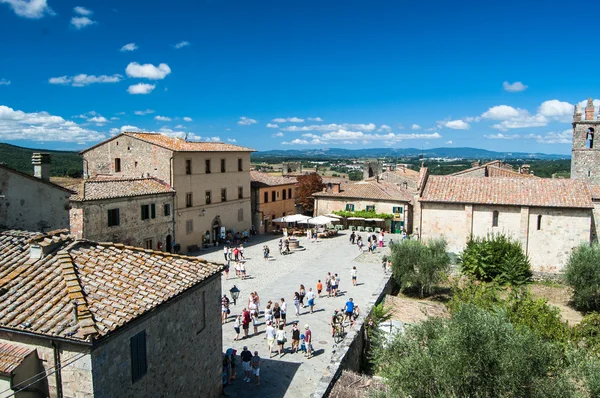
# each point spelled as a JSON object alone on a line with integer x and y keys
{"x": 375, "y": 219}
{"x": 333, "y": 216}
{"x": 320, "y": 220}
{"x": 292, "y": 218}
{"x": 356, "y": 218}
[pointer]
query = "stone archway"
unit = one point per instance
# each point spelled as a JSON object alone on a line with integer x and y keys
{"x": 215, "y": 229}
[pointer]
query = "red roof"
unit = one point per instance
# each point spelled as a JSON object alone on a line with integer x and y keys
{"x": 11, "y": 356}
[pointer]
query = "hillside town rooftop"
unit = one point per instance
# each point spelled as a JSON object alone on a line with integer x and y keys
{"x": 266, "y": 179}
{"x": 370, "y": 189}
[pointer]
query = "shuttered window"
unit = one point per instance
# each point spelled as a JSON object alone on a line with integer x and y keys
{"x": 139, "y": 363}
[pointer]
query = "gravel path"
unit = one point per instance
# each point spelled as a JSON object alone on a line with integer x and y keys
{"x": 292, "y": 375}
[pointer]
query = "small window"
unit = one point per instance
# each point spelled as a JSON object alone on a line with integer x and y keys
{"x": 240, "y": 164}
{"x": 148, "y": 244}
{"x": 284, "y": 194}
{"x": 145, "y": 212}
{"x": 290, "y": 193}
{"x": 139, "y": 365}
{"x": 113, "y": 218}
{"x": 371, "y": 208}
{"x": 207, "y": 166}
{"x": 207, "y": 197}
{"x": 223, "y": 168}
{"x": 189, "y": 226}
{"x": 397, "y": 209}
{"x": 590, "y": 138}
{"x": 266, "y": 197}
{"x": 539, "y": 222}
{"x": 224, "y": 195}
{"x": 135, "y": 164}
{"x": 349, "y": 207}
{"x": 495, "y": 218}
{"x": 117, "y": 165}
{"x": 273, "y": 196}
{"x": 166, "y": 209}
{"x": 240, "y": 215}
{"x": 202, "y": 318}
{"x": 240, "y": 192}
{"x": 152, "y": 210}
{"x": 189, "y": 200}
{"x": 188, "y": 166}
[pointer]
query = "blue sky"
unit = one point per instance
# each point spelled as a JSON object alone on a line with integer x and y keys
{"x": 297, "y": 74}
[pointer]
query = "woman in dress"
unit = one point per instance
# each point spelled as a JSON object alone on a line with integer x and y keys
{"x": 281, "y": 339}
{"x": 302, "y": 293}
{"x": 269, "y": 312}
{"x": 295, "y": 337}
{"x": 276, "y": 313}
{"x": 297, "y": 303}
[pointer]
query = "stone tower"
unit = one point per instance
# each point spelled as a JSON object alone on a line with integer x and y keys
{"x": 585, "y": 152}
{"x": 371, "y": 169}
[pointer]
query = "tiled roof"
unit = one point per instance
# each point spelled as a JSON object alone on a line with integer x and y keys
{"x": 270, "y": 180}
{"x": 404, "y": 172}
{"x": 180, "y": 145}
{"x": 106, "y": 285}
{"x": 11, "y": 356}
{"x": 31, "y": 177}
{"x": 495, "y": 168}
{"x": 95, "y": 189}
{"x": 541, "y": 192}
{"x": 594, "y": 191}
{"x": 370, "y": 189}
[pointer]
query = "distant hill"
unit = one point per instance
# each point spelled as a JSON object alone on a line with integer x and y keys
{"x": 467, "y": 153}
{"x": 63, "y": 163}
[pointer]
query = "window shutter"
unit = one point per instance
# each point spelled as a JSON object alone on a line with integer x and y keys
{"x": 118, "y": 218}
{"x": 139, "y": 365}
{"x": 153, "y": 210}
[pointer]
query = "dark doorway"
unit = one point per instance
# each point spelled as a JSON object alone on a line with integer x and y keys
{"x": 216, "y": 229}
{"x": 169, "y": 244}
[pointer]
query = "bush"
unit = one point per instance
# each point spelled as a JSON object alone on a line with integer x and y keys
{"x": 419, "y": 265}
{"x": 475, "y": 354}
{"x": 496, "y": 258}
{"x": 587, "y": 333}
{"x": 479, "y": 294}
{"x": 582, "y": 273}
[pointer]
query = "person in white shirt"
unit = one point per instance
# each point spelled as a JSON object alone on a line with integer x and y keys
{"x": 353, "y": 273}
{"x": 310, "y": 296}
{"x": 270, "y": 333}
{"x": 283, "y": 308}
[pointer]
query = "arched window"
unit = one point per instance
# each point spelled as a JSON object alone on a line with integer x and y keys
{"x": 539, "y": 222}
{"x": 495, "y": 218}
{"x": 590, "y": 138}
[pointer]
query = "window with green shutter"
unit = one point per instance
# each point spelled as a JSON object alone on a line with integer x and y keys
{"x": 371, "y": 208}
{"x": 349, "y": 207}
{"x": 397, "y": 209}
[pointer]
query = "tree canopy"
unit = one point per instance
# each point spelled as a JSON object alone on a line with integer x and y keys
{"x": 307, "y": 185}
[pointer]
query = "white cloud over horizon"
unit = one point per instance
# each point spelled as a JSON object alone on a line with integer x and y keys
{"x": 272, "y": 126}
{"x": 514, "y": 87}
{"x": 82, "y": 79}
{"x": 293, "y": 119}
{"x": 32, "y": 9}
{"x": 162, "y": 118}
{"x": 457, "y": 125}
{"x": 82, "y": 11}
{"x": 4, "y": 82}
{"x": 147, "y": 71}
{"x": 146, "y": 112}
{"x": 356, "y": 137}
{"x": 141, "y": 88}
{"x": 81, "y": 22}
{"x": 187, "y": 119}
{"x": 245, "y": 121}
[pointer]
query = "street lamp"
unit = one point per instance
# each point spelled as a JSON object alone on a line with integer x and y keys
{"x": 235, "y": 293}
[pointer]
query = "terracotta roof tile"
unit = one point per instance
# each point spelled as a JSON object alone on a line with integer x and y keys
{"x": 595, "y": 191}
{"x": 370, "y": 189}
{"x": 541, "y": 192}
{"x": 11, "y": 356}
{"x": 95, "y": 189}
{"x": 266, "y": 179}
{"x": 180, "y": 145}
{"x": 107, "y": 285}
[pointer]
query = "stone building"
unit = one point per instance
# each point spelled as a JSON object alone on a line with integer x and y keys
{"x": 375, "y": 195}
{"x": 585, "y": 153}
{"x": 549, "y": 217}
{"x": 134, "y": 211}
{"x": 107, "y": 320}
{"x": 31, "y": 201}
{"x": 291, "y": 169}
{"x": 401, "y": 175}
{"x": 211, "y": 180}
{"x": 495, "y": 168}
{"x": 272, "y": 197}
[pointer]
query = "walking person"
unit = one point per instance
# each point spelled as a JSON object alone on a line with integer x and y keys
{"x": 302, "y": 293}
{"x": 352, "y": 237}
{"x": 281, "y": 339}
{"x": 256, "y": 367}
{"x": 266, "y": 253}
{"x": 245, "y": 322}
{"x": 319, "y": 288}
{"x": 353, "y": 273}
{"x": 337, "y": 284}
{"x": 297, "y": 303}
{"x": 283, "y": 310}
{"x": 280, "y": 246}
{"x": 242, "y": 252}
{"x": 349, "y": 309}
{"x": 257, "y": 301}
{"x": 242, "y": 269}
{"x": 310, "y": 296}
{"x": 276, "y": 313}
{"x": 270, "y": 333}
{"x": 328, "y": 285}
{"x": 236, "y": 327}
{"x": 226, "y": 252}
{"x": 224, "y": 309}
{"x": 295, "y": 337}
{"x": 381, "y": 237}
{"x": 227, "y": 270}
{"x": 269, "y": 312}
{"x": 333, "y": 287}
{"x": 255, "y": 324}
{"x": 246, "y": 356}
{"x": 308, "y": 339}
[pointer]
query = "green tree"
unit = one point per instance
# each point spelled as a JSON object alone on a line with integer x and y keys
{"x": 419, "y": 265}
{"x": 307, "y": 185}
{"x": 582, "y": 273}
{"x": 496, "y": 258}
{"x": 475, "y": 354}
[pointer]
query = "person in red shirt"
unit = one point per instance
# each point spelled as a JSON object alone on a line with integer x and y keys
{"x": 308, "y": 341}
{"x": 245, "y": 321}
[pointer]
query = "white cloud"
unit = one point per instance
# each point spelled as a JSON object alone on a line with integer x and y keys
{"x": 416, "y": 127}
{"x": 332, "y": 127}
{"x": 114, "y": 131}
{"x": 42, "y": 126}
{"x": 525, "y": 120}
{"x": 98, "y": 119}
{"x": 501, "y": 136}
{"x": 357, "y": 137}
{"x": 129, "y": 47}
{"x": 82, "y": 11}
{"x": 457, "y": 125}
{"x": 146, "y": 112}
{"x": 292, "y": 119}
{"x": 470, "y": 119}
{"x": 84, "y": 80}
{"x": 180, "y": 126}
{"x": 4, "y": 82}
{"x": 81, "y": 22}
{"x": 556, "y": 109}
{"x": 162, "y": 118}
{"x": 187, "y": 119}
{"x": 141, "y": 88}
{"x": 514, "y": 87}
{"x": 114, "y": 118}
{"x": 272, "y": 126}
{"x": 231, "y": 140}
{"x": 561, "y": 137}
{"x": 449, "y": 142}
{"x": 33, "y": 9}
{"x": 280, "y": 134}
{"x": 130, "y": 128}
{"x": 182, "y": 44}
{"x": 315, "y": 119}
{"x": 245, "y": 121}
{"x": 147, "y": 71}
{"x": 502, "y": 112}
{"x": 297, "y": 141}
{"x": 384, "y": 127}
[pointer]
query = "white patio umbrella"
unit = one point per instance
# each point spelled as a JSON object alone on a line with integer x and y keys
{"x": 292, "y": 218}
{"x": 375, "y": 219}
{"x": 333, "y": 216}
{"x": 356, "y": 218}
{"x": 320, "y": 220}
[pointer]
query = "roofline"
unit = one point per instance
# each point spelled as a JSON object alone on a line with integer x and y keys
{"x": 101, "y": 143}
{"x": 357, "y": 197}
{"x": 172, "y": 193}
{"x": 591, "y": 207}
{"x": 3, "y": 166}
{"x": 45, "y": 336}
{"x": 272, "y": 185}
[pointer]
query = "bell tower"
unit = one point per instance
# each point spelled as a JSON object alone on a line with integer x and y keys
{"x": 585, "y": 151}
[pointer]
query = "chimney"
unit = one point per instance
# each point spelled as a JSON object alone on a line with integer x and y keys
{"x": 476, "y": 163}
{"x": 336, "y": 187}
{"x": 589, "y": 110}
{"x": 524, "y": 169}
{"x": 41, "y": 165}
{"x": 577, "y": 113}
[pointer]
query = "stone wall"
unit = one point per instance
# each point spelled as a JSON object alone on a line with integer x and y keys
{"x": 445, "y": 220}
{"x": 92, "y": 216}
{"x": 183, "y": 344}
{"x": 32, "y": 205}
{"x": 138, "y": 159}
{"x": 271, "y": 210}
{"x": 585, "y": 162}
